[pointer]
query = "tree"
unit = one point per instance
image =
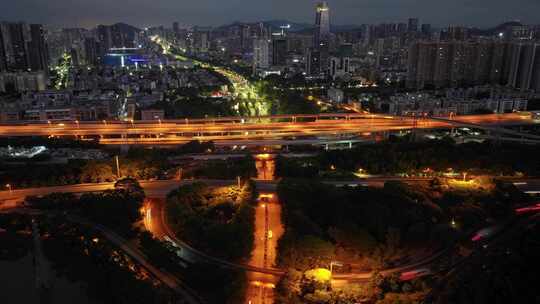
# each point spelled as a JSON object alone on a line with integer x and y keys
{"x": 96, "y": 172}
{"x": 132, "y": 187}
{"x": 57, "y": 200}
{"x": 217, "y": 221}
{"x": 305, "y": 252}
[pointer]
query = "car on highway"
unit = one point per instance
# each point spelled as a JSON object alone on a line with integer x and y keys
{"x": 414, "y": 274}
{"x": 527, "y": 209}
{"x": 486, "y": 233}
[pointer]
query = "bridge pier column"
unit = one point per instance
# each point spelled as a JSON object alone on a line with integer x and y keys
{"x": 350, "y": 145}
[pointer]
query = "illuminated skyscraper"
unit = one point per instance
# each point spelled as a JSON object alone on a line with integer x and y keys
{"x": 321, "y": 39}
{"x": 322, "y": 22}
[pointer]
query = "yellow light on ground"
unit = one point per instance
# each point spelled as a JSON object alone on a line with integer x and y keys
{"x": 321, "y": 275}
{"x": 263, "y": 156}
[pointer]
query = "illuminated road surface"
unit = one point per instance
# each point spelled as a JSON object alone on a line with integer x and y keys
{"x": 160, "y": 188}
{"x": 230, "y": 130}
{"x": 155, "y": 221}
{"x": 268, "y": 229}
{"x": 266, "y": 167}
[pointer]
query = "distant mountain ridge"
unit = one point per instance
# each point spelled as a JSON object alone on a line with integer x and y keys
{"x": 125, "y": 27}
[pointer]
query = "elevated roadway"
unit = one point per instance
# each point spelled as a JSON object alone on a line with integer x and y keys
{"x": 267, "y": 130}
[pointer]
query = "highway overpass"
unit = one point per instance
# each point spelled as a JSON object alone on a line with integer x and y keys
{"x": 267, "y": 130}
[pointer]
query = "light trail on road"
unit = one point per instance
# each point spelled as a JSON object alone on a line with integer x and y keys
{"x": 269, "y": 128}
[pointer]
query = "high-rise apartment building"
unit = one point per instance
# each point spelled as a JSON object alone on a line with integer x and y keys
{"x": 37, "y": 49}
{"x": 116, "y": 36}
{"x": 339, "y": 67}
{"x": 201, "y": 39}
{"x": 17, "y": 44}
{"x": 458, "y": 33}
{"x": 458, "y": 63}
{"x": 313, "y": 64}
{"x": 261, "y": 50}
{"x": 245, "y": 37}
{"x": 524, "y": 72}
{"x": 23, "y": 47}
{"x": 413, "y": 25}
{"x": 426, "y": 30}
{"x": 3, "y": 59}
{"x": 279, "y": 51}
{"x": 91, "y": 51}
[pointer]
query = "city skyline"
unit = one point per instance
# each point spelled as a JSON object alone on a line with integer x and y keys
{"x": 259, "y": 152}
{"x": 481, "y": 13}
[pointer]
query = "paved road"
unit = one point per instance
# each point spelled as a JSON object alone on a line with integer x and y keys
{"x": 159, "y": 188}
{"x": 268, "y": 229}
{"x": 259, "y": 130}
{"x": 161, "y": 229}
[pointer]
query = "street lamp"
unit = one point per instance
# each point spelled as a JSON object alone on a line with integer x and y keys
{"x": 336, "y": 263}
{"x": 180, "y": 171}
{"x": 117, "y": 166}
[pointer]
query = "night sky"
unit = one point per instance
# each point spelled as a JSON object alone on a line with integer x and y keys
{"x": 87, "y": 13}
